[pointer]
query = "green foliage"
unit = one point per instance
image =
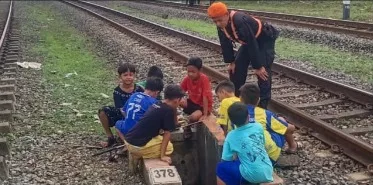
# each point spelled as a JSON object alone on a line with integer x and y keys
{"x": 77, "y": 96}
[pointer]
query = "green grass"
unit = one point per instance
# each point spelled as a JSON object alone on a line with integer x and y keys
{"x": 323, "y": 57}
{"x": 201, "y": 27}
{"x": 64, "y": 50}
{"x": 360, "y": 10}
{"x": 326, "y": 58}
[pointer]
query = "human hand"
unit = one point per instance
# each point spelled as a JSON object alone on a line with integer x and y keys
{"x": 231, "y": 67}
{"x": 166, "y": 159}
{"x": 183, "y": 103}
{"x": 261, "y": 73}
{"x": 204, "y": 117}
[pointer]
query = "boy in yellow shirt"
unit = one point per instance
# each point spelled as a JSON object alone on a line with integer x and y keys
{"x": 276, "y": 130}
{"x": 225, "y": 92}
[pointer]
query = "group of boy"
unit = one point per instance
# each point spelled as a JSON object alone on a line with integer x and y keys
{"x": 140, "y": 114}
{"x": 254, "y": 136}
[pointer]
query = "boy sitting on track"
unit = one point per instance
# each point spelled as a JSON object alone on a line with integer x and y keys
{"x": 138, "y": 104}
{"x": 144, "y": 138}
{"x": 198, "y": 87}
{"x": 154, "y": 71}
{"x": 276, "y": 129}
{"x": 225, "y": 92}
{"x": 245, "y": 159}
{"x": 109, "y": 115}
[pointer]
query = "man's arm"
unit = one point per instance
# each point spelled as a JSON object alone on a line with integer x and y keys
{"x": 246, "y": 34}
{"x": 225, "y": 129}
{"x": 226, "y": 46}
{"x": 227, "y": 154}
{"x": 167, "y": 127}
{"x": 124, "y": 109}
{"x": 206, "y": 93}
{"x": 205, "y": 106}
{"x": 166, "y": 139}
{"x": 222, "y": 119}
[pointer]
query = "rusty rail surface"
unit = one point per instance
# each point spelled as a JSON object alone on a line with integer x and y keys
{"x": 7, "y": 84}
{"x": 356, "y": 149}
{"x": 6, "y": 26}
{"x": 360, "y": 29}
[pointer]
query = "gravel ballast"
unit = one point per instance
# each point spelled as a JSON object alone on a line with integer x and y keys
{"x": 339, "y": 41}
{"x": 54, "y": 160}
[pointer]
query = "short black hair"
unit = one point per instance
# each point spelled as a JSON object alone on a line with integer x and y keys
{"x": 155, "y": 71}
{"x": 126, "y": 67}
{"x": 225, "y": 85}
{"x": 173, "y": 91}
{"x": 250, "y": 94}
{"x": 195, "y": 61}
{"x": 154, "y": 84}
{"x": 238, "y": 113}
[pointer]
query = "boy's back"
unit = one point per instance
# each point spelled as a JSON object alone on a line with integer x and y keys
{"x": 135, "y": 108}
{"x": 247, "y": 142}
{"x": 159, "y": 116}
{"x": 272, "y": 126}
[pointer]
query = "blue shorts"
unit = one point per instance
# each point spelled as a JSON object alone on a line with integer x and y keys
{"x": 229, "y": 173}
{"x": 120, "y": 126}
{"x": 278, "y": 138}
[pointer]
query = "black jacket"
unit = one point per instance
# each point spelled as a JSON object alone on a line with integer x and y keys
{"x": 246, "y": 28}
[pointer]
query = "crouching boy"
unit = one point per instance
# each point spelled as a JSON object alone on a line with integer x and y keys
{"x": 245, "y": 159}
{"x": 197, "y": 86}
{"x": 138, "y": 104}
{"x": 225, "y": 92}
{"x": 144, "y": 139}
{"x": 276, "y": 130}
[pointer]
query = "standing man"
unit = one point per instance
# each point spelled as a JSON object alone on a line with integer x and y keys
{"x": 257, "y": 40}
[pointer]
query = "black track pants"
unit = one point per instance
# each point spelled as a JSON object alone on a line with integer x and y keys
{"x": 241, "y": 69}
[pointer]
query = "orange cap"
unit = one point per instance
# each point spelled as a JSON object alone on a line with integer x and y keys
{"x": 217, "y": 9}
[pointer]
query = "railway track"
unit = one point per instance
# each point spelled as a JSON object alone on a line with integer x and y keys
{"x": 314, "y": 104}
{"x": 358, "y": 29}
{"x": 4, "y": 9}
{"x": 9, "y": 55}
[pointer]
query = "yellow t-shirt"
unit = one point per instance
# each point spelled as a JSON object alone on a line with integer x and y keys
{"x": 274, "y": 130}
{"x": 223, "y": 118}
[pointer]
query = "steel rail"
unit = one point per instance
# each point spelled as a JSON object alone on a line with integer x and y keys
{"x": 7, "y": 25}
{"x": 357, "y": 95}
{"x": 356, "y": 149}
{"x": 361, "y": 29}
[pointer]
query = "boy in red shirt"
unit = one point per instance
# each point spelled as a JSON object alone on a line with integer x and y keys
{"x": 197, "y": 86}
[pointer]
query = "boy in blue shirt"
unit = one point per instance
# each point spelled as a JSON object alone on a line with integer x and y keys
{"x": 138, "y": 104}
{"x": 245, "y": 159}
